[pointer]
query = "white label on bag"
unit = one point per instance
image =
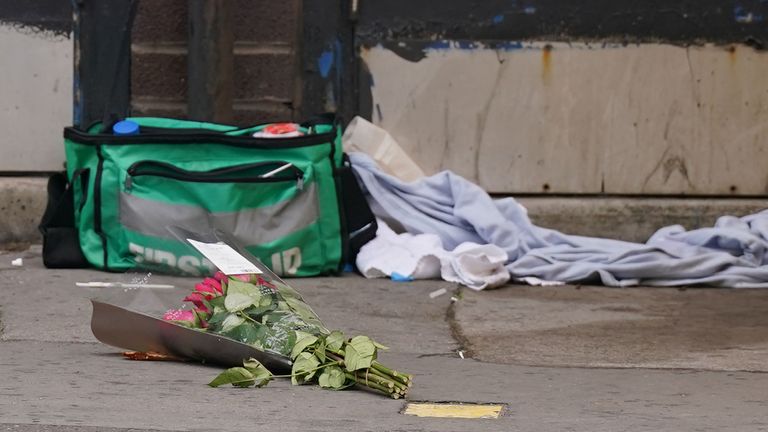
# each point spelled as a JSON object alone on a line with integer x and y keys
{"x": 228, "y": 260}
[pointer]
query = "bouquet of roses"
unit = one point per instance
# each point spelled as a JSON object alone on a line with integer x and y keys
{"x": 266, "y": 313}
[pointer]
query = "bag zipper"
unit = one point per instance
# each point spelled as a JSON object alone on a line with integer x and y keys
{"x": 197, "y": 136}
{"x": 218, "y": 175}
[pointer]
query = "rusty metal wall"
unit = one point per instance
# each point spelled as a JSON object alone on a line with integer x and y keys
{"x": 579, "y": 119}
{"x": 557, "y": 97}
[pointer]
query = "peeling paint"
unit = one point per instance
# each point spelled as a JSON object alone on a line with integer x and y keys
{"x": 51, "y": 19}
{"x": 546, "y": 64}
{"x": 415, "y": 51}
{"x": 679, "y": 23}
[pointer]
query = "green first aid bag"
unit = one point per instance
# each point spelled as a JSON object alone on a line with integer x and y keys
{"x": 281, "y": 198}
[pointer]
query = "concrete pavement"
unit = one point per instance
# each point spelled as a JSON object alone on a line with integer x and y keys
{"x": 56, "y": 377}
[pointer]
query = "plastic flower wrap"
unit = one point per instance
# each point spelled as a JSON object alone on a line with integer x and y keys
{"x": 266, "y": 313}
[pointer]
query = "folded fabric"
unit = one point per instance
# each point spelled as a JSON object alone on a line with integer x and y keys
{"x": 407, "y": 256}
{"x": 730, "y": 254}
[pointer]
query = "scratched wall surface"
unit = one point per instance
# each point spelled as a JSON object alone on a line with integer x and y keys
{"x": 579, "y": 117}
{"x": 35, "y": 97}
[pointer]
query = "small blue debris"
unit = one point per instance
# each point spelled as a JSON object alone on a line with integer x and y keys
{"x": 397, "y": 277}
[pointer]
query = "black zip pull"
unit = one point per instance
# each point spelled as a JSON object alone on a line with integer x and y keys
{"x": 128, "y": 183}
{"x": 300, "y": 182}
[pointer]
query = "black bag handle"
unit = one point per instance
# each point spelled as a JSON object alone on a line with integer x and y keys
{"x": 109, "y": 118}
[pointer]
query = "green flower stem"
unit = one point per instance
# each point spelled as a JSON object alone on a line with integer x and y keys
{"x": 403, "y": 378}
{"x": 334, "y": 356}
{"x": 338, "y": 353}
{"x": 238, "y": 382}
{"x": 382, "y": 378}
{"x": 369, "y": 384}
{"x": 397, "y": 383}
{"x": 322, "y": 366}
{"x": 367, "y": 376}
{"x": 400, "y": 386}
{"x": 242, "y": 314}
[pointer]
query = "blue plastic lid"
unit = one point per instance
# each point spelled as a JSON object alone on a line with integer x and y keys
{"x": 125, "y": 127}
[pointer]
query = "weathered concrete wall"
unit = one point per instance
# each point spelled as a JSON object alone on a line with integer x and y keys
{"x": 35, "y": 97}
{"x": 577, "y": 117}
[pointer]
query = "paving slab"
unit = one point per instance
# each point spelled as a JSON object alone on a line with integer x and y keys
{"x": 83, "y": 384}
{"x": 57, "y": 378}
{"x": 45, "y": 305}
{"x": 703, "y": 328}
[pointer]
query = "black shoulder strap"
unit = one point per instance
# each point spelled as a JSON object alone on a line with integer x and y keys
{"x": 359, "y": 221}
{"x": 109, "y": 118}
{"x": 61, "y": 244}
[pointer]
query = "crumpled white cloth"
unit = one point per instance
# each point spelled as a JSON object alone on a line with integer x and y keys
{"x": 421, "y": 256}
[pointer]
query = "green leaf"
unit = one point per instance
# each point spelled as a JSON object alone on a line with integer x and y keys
{"x": 217, "y": 319}
{"x": 304, "y": 368}
{"x": 245, "y": 288}
{"x": 235, "y": 302}
{"x": 237, "y": 376}
{"x": 359, "y": 353}
{"x": 273, "y": 317}
{"x": 379, "y": 346}
{"x": 217, "y": 302}
{"x": 265, "y": 304}
{"x": 261, "y": 375}
{"x": 285, "y": 290}
{"x": 303, "y": 340}
{"x": 279, "y": 340}
{"x": 303, "y": 310}
{"x": 335, "y": 340}
{"x": 332, "y": 377}
{"x": 230, "y": 322}
{"x": 320, "y": 350}
{"x": 247, "y": 333}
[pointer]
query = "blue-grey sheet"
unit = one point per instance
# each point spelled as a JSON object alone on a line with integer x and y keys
{"x": 730, "y": 254}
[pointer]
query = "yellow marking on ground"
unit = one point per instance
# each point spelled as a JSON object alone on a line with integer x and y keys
{"x": 471, "y": 411}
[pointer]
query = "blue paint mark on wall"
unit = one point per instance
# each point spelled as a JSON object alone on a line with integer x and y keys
{"x": 325, "y": 62}
{"x": 498, "y": 19}
{"x": 330, "y": 58}
{"x": 472, "y": 45}
{"x": 338, "y": 54}
{"x": 743, "y": 16}
{"x": 438, "y": 45}
{"x": 77, "y": 106}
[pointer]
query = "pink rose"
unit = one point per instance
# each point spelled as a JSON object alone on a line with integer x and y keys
{"x": 219, "y": 276}
{"x": 261, "y": 281}
{"x": 199, "y": 300}
{"x": 180, "y": 315}
{"x": 222, "y": 279}
{"x": 209, "y": 288}
{"x": 242, "y": 277}
{"x": 185, "y": 317}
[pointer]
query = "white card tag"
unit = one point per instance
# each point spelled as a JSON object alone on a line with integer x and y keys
{"x": 226, "y": 259}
